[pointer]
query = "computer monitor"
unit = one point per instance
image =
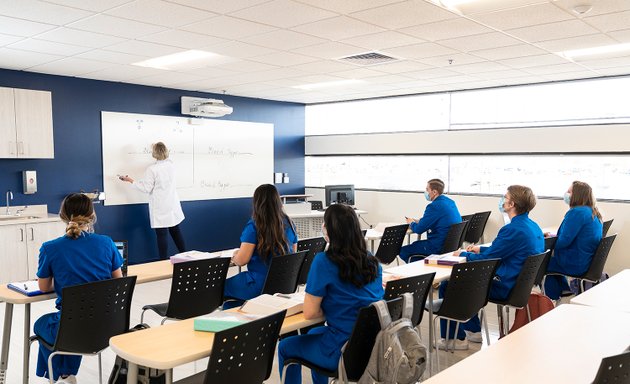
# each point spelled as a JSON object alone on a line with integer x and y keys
{"x": 121, "y": 245}
{"x": 339, "y": 194}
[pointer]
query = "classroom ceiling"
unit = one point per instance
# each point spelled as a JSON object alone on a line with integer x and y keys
{"x": 265, "y": 48}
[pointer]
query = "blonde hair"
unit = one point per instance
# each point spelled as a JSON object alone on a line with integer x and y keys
{"x": 77, "y": 211}
{"x": 159, "y": 150}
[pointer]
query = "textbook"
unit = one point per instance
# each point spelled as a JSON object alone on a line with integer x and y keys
{"x": 198, "y": 255}
{"x": 220, "y": 320}
{"x": 269, "y": 304}
{"x": 28, "y": 288}
{"x": 445, "y": 259}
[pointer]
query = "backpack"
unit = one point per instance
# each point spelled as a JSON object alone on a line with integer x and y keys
{"x": 538, "y": 304}
{"x": 398, "y": 355}
{"x": 574, "y": 284}
{"x": 145, "y": 375}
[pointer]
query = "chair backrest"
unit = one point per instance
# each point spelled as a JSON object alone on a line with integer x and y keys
{"x": 316, "y": 204}
{"x": 390, "y": 244}
{"x": 550, "y": 243}
{"x": 596, "y": 268}
{"x": 519, "y": 295}
{"x": 477, "y": 226}
{"x": 283, "y": 273}
{"x": 614, "y": 369}
{"x": 313, "y": 246}
{"x": 244, "y": 354}
{"x": 94, "y": 312}
{"x": 419, "y": 286}
{"x": 468, "y": 217}
{"x": 606, "y": 226}
{"x": 197, "y": 287}
{"x": 359, "y": 347}
{"x": 455, "y": 237}
{"x": 468, "y": 289}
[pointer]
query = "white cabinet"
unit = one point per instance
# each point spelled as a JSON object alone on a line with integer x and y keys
{"x": 26, "y": 124}
{"x": 19, "y": 248}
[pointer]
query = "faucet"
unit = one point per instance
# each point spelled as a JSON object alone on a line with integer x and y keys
{"x": 9, "y": 197}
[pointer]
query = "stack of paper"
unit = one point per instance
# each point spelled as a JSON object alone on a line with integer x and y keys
{"x": 198, "y": 255}
{"x": 219, "y": 320}
{"x": 445, "y": 259}
{"x": 28, "y": 288}
{"x": 269, "y": 304}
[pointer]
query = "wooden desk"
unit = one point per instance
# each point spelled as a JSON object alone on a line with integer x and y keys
{"x": 611, "y": 294}
{"x": 158, "y": 270}
{"x": 565, "y": 345}
{"x": 174, "y": 344}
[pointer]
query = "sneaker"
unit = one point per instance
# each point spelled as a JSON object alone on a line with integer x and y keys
{"x": 72, "y": 379}
{"x": 460, "y": 345}
{"x": 474, "y": 337}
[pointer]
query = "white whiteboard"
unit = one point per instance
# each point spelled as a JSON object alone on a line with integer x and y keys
{"x": 214, "y": 159}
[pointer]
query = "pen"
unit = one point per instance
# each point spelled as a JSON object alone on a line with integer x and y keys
{"x": 283, "y": 295}
{"x": 25, "y": 287}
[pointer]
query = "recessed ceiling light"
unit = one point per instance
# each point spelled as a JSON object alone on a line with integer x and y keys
{"x": 328, "y": 84}
{"x": 191, "y": 59}
{"x": 469, "y": 7}
{"x": 595, "y": 51}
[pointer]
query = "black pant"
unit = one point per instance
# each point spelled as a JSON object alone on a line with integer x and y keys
{"x": 162, "y": 240}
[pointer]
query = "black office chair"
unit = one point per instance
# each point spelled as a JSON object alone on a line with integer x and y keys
{"x": 519, "y": 295}
{"x": 391, "y": 242}
{"x": 91, "y": 314}
{"x": 467, "y": 217}
{"x": 466, "y": 295}
{"x": 359, "y": 346}
{"x": 453, "y": 241}
{"x": 606, "y": 226}
{"x": 243, "y": 354}
{"x": 614, "y": 369}
{"x": 474, "y": 232}
{"x": 316, "y": 205}
{"x": 313, "y": 246}
{"x": 196, "y": 289}
{"x": 550, "y": 243}
{"x": 283, "y": 273}
{"x": 419, "y": 286}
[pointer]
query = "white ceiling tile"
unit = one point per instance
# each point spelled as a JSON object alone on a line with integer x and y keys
{"x": 330, "y": 50}
{"x": 347, "y": 6}
{"x": 552, "y": 69}
{"x": 486, "y": 66}
{"x": 455, "y": 79}
{"x": 283, "y": 13}
{"x": 219, "y": 6}
{"x": 610, "y": 22}
{"x": 148, "y": 49}
{"x": 111, "y": 57}
{"x": 616, "y": 71}
{"x": 91, "y": 5}
{"x": 210, "y": 72}
{"x": 599, "y": 6}
{"x": 245, "y": 66}
{"x": 16, "y": 59}
{"x": 401, "y": 66}
{"x": 420, "y": 51}
{"x": 78, "y": 37}
{"x": 116, "y": 26}
{"x": 71, "y": 66}
{"x": 284, "y": 59}
{"x": 477, "y": 42}
{"x": 50, "y": 47}
{"x": 384, "y": 80}
{"x": 533, "y": 61}
{"x": 453, "y": 59}
{"x": 578, "y": 42}
{"x": 167, "y": 78}
{"x": 240, "y": 50}
{"x": 410, "y": 84}
{"x": 183, "y": 39}
{"x": 447, "y": 29}
{"x": 283, "y": 39}
{"x": 17, "y": 27}
{"x": 8, "y": 39}
{"x": 160, "y": 13}
{"x": 429, "y": 74}
{"x": 338, "y": 28}
{"x": 40, "y": 11}
{"x": 506, "y": 74}
{"x": 404, "y": 14}
{"x": 314, "y": 79}
{"x": 197, "y": 84}
{"x": 325, "y": 66}
{"x": 622, "y": 61}
{"x": 123, "y": 73}
{"x": 524, "y": 16}
{"x": 358, "y": 73}
{"x": 521, "y": 80}
{"x": 509, "y": 52}
{"x": 553, "y": 31}
{"x": 573, "y": 75}
{"x": 228, "y": 27}
{"x": 382, "y": 40}
{"x": 622, "y": 36}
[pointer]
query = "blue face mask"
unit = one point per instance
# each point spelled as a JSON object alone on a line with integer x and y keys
{"x": 427, "y": 196}
{"x": 567, "y": 198}
{"x": 501, "y": 202}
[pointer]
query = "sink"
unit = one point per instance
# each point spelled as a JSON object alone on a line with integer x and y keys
{"x": 17, "y": 217}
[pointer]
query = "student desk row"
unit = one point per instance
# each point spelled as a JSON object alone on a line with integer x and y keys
{"x": 610, "y": 294}
{"x": 159, "y": 270}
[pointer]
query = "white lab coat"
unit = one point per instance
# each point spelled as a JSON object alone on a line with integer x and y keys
{"x": 158, "y": 181}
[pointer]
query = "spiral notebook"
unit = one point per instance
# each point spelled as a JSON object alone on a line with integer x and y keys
{"x": 28, "y": 288}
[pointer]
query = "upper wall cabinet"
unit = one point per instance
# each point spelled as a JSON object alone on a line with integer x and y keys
{"x": 26, "y": 129}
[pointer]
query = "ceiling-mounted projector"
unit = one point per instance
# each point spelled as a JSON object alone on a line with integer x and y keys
{"x": 204, "y": 107}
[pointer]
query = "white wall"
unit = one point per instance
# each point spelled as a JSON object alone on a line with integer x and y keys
{"x": 394, "y": 206}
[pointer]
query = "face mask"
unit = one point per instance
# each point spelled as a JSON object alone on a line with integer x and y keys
{"x": 427, "y": 196}
{"x": 501, "y": 202}
{"x": 567, "y": 198}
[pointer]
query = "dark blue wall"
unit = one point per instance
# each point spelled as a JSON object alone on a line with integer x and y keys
{"x": 77, "y": 106}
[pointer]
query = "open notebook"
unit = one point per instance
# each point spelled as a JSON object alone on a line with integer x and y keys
{"x": 28, "y": 288}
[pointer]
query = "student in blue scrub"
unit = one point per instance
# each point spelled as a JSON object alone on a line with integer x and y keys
{"x": 78, "y": 257}
{"x": 516, "y": 241}
{"x": 268, "y": 233}
{"x": 578, "y": 238}
{"x": 437, "y": 219}
{"x": 341, "y": 281}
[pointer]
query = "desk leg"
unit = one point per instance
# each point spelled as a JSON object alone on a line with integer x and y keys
{"x": 132, "y": 373}
{"x": 27, "y": 347}
{"x": 6, "y": 338}
{"x": 431, "y": 330}
{"x": 372, "y": 246}
{"x": 169, "y": 376}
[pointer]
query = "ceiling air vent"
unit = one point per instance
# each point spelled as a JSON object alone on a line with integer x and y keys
{"x": 369, "y": 58}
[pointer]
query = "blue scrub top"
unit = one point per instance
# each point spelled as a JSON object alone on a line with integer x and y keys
{"x": 437, "y": 219}
{"x": 256, "y": 264}
{"x": 69, "y": 262}
{"x": 578, "y": 238}
{"x": 341, "y": 300}
{"x": 514, "y": 243}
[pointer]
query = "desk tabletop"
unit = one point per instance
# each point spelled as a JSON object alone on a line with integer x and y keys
{"x": 147, "y": 272}
{"x": 610, "y": 294}
{"x": 442, "y": 272}
{"x": 565, "y": 345}
{"x": 177, "y": 343}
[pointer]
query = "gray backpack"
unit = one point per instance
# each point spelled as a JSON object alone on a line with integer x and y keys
{"x": 398, "y": 356}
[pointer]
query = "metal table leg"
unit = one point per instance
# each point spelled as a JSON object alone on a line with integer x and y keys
{"x": 132, "y": 373}
{"x": 6, "y": 338}
{"x": 27, "y": 346}
{"x": 431, "y": 330}
{"x": 169, "y": 376}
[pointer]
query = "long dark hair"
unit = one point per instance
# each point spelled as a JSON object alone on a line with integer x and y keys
{"x": 270, "y": 221}
{"x": 582, "y": 194}
{"x": 347, "y": 246}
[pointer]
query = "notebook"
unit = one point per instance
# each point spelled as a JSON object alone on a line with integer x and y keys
{"x": 121, "y": 245}
{"x": 28, "y": 288}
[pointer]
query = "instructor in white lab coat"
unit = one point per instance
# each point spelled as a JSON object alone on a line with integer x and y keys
{"x": 165, "y": 210}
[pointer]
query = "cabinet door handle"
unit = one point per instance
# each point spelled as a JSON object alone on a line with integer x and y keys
{"x": 12, "y": 147}
{"x": 21, "y": 235}
{"x": 21, "y": 147}
{"x": 32, "y": 234}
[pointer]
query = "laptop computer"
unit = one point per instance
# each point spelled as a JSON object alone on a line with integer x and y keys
{"x": 121, "y": 245}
